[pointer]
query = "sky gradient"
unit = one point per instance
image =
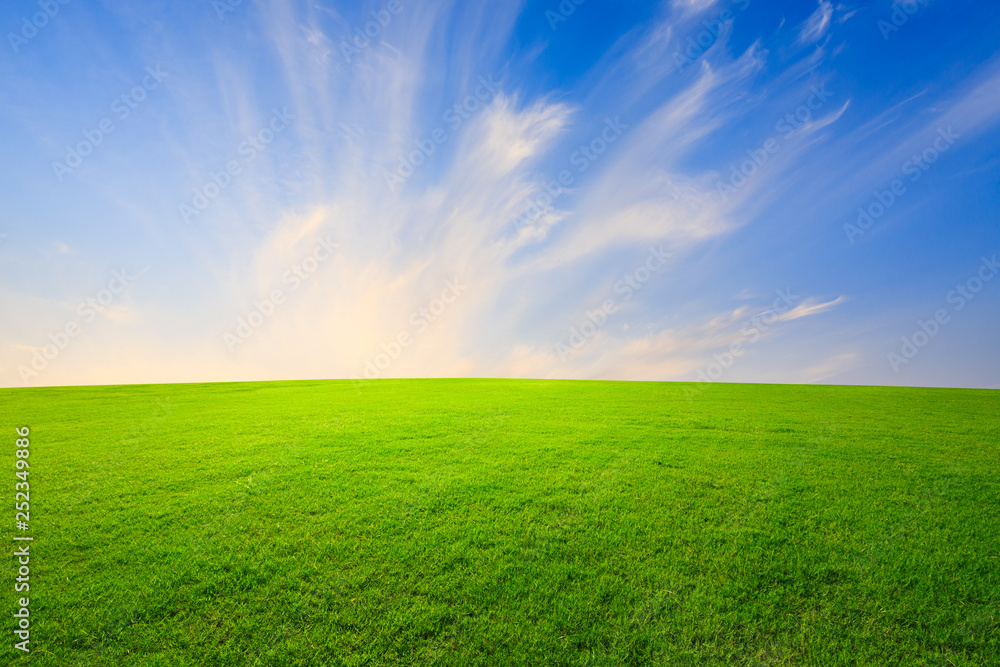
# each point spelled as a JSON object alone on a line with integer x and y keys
{"x": 733, "y": 191}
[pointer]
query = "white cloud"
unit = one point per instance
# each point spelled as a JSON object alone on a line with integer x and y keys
{"x": 673, "y": 353}
{"x": 816, "y": 25}
{"x": 810, "y": 307}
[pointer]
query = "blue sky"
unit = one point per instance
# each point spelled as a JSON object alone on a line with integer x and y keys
{"x": 731, "y": 191}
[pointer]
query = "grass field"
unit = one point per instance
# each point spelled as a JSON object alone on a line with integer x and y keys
{"x": 493, "y": 522}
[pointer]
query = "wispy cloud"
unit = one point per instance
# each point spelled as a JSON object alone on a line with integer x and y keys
{"x": 817, "y": 24}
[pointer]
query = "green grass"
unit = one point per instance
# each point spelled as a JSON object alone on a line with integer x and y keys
{"x": 492, "y": 522}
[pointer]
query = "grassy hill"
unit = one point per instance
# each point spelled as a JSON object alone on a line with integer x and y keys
{"x": 495, "y": 522}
